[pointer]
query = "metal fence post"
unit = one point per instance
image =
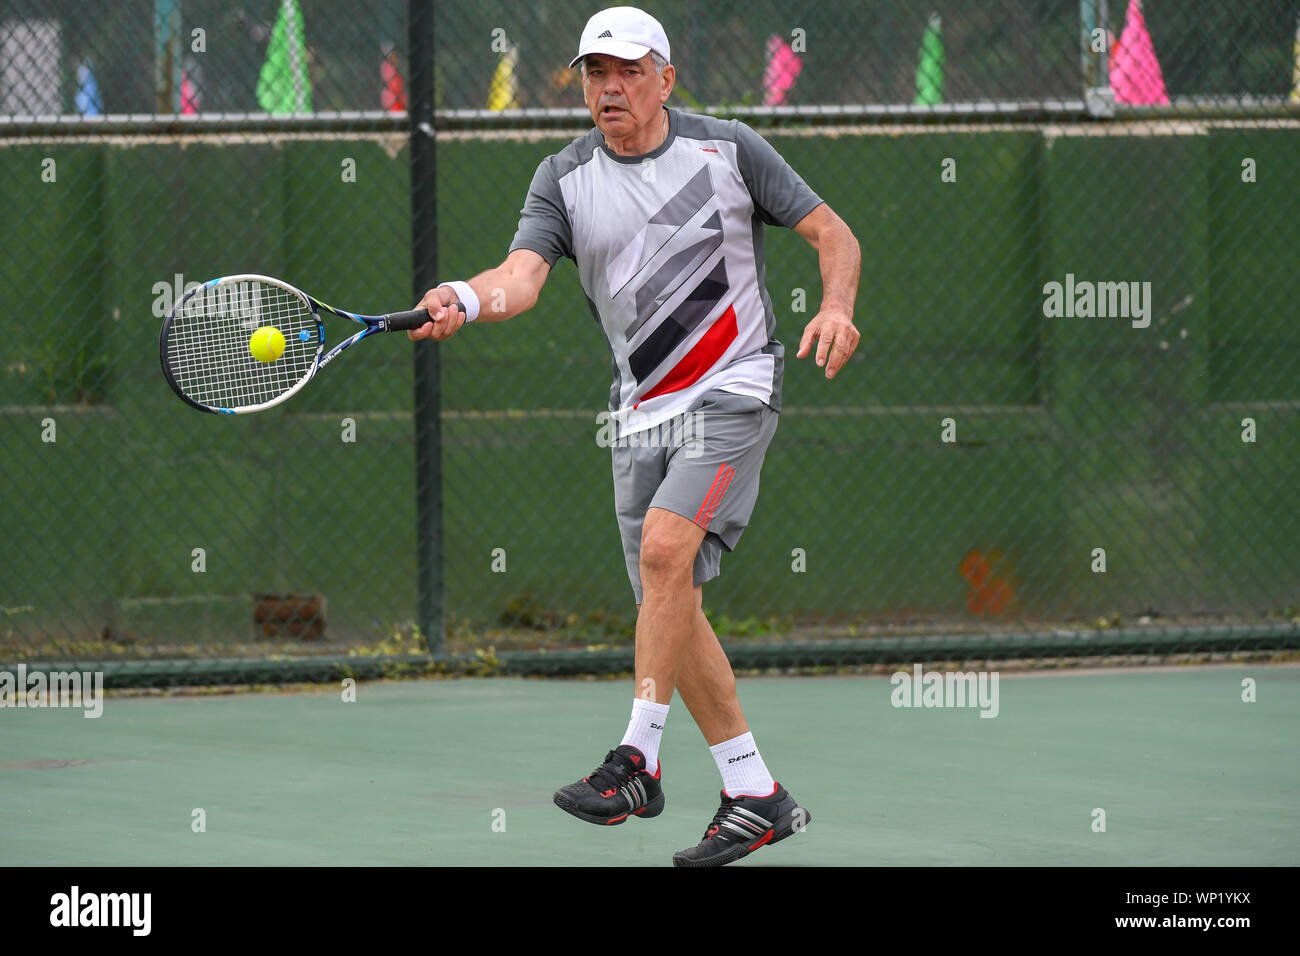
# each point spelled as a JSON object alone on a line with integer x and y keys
{"x": 424, "y": 251}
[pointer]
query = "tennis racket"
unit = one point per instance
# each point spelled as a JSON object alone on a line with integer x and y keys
{"x": 204, "y": 344}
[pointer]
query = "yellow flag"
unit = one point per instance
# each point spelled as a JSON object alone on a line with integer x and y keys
{"x": 1295, "y": 76}
{"x": 501, "y": 96}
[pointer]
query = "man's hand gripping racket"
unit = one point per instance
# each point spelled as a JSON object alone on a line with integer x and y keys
{"x": 213, "y": 359}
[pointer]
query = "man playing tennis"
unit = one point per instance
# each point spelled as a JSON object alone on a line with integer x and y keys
{"x": 662, "y": 212}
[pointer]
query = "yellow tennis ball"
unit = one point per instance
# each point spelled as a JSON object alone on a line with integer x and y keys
{"x": 267, "y": 344}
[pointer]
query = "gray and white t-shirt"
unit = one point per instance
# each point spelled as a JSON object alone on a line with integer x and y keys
{"x": 669, "y": 249}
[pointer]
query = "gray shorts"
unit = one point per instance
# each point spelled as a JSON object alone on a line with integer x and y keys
{"x": 703, "y": 465}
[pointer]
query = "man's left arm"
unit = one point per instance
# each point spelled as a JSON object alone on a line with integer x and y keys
{"x": 781, "y": 197}
{"x": 841, "y": 266}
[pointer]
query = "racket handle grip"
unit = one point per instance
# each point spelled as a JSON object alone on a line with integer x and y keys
{"x": 404, "y": 321}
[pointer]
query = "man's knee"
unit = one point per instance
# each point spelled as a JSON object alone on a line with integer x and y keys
{"x": 668, "y": 549}
{"x": 665, "y": 559}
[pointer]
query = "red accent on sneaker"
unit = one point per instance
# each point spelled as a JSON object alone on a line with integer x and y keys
{"x": 712, "y": 830}
{"x": 764, "y": 840}
{"x": 635, "y": 759}
{"x": 615, "y": 819}
{"x": 766, "y": 796}
{"x": 609, "y": 793}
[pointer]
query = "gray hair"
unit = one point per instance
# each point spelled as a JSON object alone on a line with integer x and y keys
{"x": 658, "y": 61}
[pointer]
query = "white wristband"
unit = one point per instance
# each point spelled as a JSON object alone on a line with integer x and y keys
{"x": 466, "y": 296}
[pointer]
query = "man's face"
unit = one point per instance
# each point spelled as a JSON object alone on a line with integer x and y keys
{"x": 624, "y": 96}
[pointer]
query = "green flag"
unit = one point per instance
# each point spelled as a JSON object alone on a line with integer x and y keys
{"x": 284, "y": 85}
{"x": 929, "y": 74}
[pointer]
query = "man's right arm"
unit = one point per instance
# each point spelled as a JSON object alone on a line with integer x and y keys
{"x": 503, "y": 293}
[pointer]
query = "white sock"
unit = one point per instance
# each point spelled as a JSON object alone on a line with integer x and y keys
{"x": 743, "y": 772}
{"x": 644, "y": 730}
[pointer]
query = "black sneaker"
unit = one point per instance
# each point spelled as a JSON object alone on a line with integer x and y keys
{"x": 742, "y": 825}
{"x": 617, "y": 789}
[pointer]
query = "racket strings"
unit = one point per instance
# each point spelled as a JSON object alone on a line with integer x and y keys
{"x": 208, "y": 344}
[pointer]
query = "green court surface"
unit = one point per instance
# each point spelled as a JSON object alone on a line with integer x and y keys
{"x": 418, "y": 772}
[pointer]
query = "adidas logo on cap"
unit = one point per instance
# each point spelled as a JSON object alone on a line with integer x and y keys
{"x": 605, "y": 34}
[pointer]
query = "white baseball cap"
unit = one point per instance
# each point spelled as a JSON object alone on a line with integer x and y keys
{"x": 624, "y": 32}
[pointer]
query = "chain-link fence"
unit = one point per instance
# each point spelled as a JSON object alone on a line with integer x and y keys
{"x": 1070, "y": 428}
{"x": 75, "y": 57}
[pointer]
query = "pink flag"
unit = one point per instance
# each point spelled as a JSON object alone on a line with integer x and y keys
{"x": 1134, "y": 70}
{"x": 189, "y": 95}
{"x": 783, "y": 66}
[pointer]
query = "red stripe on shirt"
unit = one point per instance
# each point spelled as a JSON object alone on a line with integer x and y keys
{"x": 702, "y": 357}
